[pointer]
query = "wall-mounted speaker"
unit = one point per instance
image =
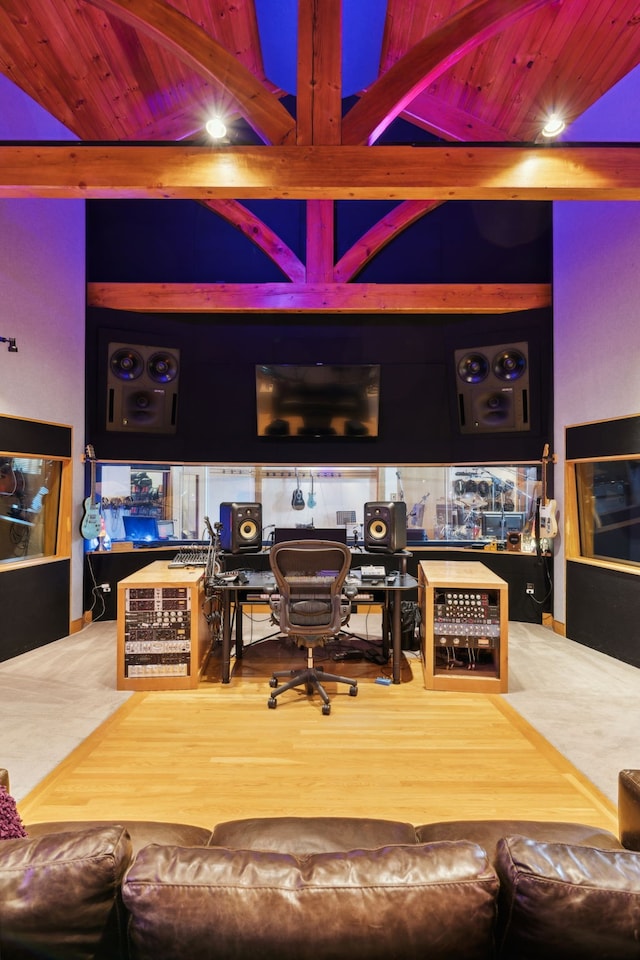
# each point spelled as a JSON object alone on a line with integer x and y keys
{"x": 142, "y": 388}
{"x": 241, "y": 530}
{"x": 385, "y": 526}
{"x": 493, "y": 388}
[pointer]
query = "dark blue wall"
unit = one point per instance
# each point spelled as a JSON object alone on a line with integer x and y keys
{"x": 182, "y": 241}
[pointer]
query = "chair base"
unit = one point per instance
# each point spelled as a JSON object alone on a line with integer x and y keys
{"x": 312, "y": 678}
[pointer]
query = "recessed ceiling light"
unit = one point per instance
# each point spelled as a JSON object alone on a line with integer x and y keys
{"x": 216, "y": 128}
{"x": 554, "y": 125}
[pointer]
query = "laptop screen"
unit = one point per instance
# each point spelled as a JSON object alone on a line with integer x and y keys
{"x": 140, "y": 529}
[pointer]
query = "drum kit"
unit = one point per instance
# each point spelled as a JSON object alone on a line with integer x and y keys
{"x": 476, "y": 493}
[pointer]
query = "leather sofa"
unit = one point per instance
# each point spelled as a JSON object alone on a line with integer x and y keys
{"x": 324, "y": 887}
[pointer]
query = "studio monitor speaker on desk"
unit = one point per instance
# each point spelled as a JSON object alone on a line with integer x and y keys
{"x": 241, "y": 527}
{"x": 142, "y": 388}
{"x": 493, "y": 388}
{"x": 385, "y": 526}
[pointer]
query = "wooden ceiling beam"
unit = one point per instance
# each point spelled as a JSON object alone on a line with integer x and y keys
{"x": 453, "y": 172}
{"x": 394, "y": 90}
{"x": 186, "y": 40}
{"x": 419, "y": 298}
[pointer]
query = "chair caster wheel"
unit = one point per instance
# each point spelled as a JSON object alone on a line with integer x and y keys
{"x": 353, "y": 691}
{"x": 326, "y": 709}
{"x": 273, "y": 682}
{"x": 272, "y": 703}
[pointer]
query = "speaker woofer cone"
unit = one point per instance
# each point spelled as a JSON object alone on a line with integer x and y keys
{"x": 378, "y": 529}
{"x": 509, "y": 364}
{"x": 474, "y": 368}
{"x": 126, "y": 364}
{"x": 248, "y": 530}
{"x": 162, "y": 367}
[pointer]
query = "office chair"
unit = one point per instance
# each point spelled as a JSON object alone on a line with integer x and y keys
{"x": 310, "y": 607}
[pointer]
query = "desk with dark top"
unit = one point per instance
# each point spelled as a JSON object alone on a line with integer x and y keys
{"x": 385, "y": 591}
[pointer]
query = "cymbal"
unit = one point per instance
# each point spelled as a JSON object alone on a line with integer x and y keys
{"x": 471, "y": 500}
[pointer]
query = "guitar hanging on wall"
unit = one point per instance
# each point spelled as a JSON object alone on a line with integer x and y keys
{"x": 311, "y": 499}
{"x": 90, "y": 525}
{"x": 297, "y": 499}
{"x": 548, "y": 508}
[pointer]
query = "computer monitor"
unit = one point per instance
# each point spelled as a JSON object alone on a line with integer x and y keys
{"x": 310, "y": 533}
{"x": 140, "y": 529}
{"x": 166, "y": 529}
{"x": 496, "y": 524}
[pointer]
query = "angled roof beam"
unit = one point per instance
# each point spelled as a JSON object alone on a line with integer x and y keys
{"x": 394, "y": 90}
{"x": 186, "y": 40}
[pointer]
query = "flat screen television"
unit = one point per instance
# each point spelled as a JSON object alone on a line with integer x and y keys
{"x": 499, "y": 525}
{"x": 313, "y": 401}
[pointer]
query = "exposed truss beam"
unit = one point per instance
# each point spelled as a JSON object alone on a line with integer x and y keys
{"x": 454, "y": 172}
{"x": 435, "y": 298}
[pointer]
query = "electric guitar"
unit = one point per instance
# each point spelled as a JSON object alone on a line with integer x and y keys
{"x": 297, "y": 499}
{"x": 311, "y": 500}
{"x": 548, "y": 508}
{"x": 90, "y": 524}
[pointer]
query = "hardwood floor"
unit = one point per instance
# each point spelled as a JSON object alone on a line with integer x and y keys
{"x": 217, "y": 752}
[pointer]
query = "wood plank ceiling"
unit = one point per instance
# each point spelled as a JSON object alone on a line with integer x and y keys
{"x": 485, "y": 71}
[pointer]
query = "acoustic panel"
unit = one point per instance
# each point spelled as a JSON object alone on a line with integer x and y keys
{"x": 241, "y": 530}
{"x": 385, "y": 526}
{"x": 142, "y": 388}
{"x": 493, "y": 388}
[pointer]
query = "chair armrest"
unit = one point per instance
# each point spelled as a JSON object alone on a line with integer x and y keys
{"x": 629, "y": 808}
{"x": 4, "y": 778}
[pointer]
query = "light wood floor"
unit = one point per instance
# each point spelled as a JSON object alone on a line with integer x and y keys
{"x": 217, "y": 752}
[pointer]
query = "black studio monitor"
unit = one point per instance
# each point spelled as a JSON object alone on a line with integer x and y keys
{"x": 385, "y": 526}
{"x": 241, "y": 527}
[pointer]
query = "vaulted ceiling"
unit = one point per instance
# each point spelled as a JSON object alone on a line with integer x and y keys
{"x": 479, "y": 72}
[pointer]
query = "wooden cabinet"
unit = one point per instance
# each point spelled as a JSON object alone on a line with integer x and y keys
{"x": 163, "y": 635}
{"x": 464, "y": 630}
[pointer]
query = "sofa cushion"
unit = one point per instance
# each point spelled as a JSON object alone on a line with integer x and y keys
{"x": 487, "y": 833}
{"x": 141, "y": 832}
{"x": 563, "y": 901}
{"x": 304, "y": 835}
{"x": 404, "y": 901}
{"x": 629, "y": 808}
{"x": 60, "y": 895}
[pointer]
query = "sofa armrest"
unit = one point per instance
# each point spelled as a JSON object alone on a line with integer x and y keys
{"x": 629, "y": 808}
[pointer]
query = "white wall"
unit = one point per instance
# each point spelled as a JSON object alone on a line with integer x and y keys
{"x": 596, "y": 283}
{"x": 42, "y": 304}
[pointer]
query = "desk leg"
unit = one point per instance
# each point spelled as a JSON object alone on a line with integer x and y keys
{"x": 386, "y": 624}
{"x": 226, "y": 636}
{"x": 397, "y": 637}
{"x": 237, "y": 608}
